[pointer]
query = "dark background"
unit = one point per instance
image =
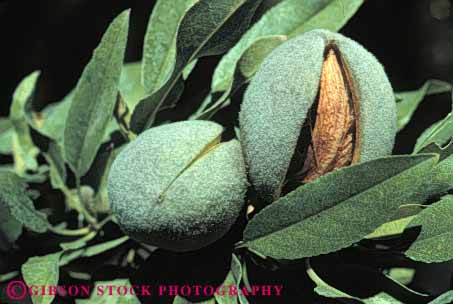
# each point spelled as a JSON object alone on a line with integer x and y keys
{"x": 412, "y": 38}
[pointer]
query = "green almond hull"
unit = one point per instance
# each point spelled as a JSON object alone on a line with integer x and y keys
{"x": 165, "y": 194}
{"x": 282, "y": 92}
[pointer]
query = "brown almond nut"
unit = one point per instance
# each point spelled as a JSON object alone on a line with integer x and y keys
{"x": 334, "y": 133}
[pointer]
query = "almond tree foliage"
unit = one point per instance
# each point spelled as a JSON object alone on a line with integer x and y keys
{"x": 356, "y": 234}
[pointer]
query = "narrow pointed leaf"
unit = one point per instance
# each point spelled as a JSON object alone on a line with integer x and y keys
{"x": 24, "y": 151}
{"x": 337, "y": 209}
{"x": 130, "y": 85}
{"x": 95, "y": 97}
{"x": 159, "y": 48}
{"x": 93, "y": 250}
{"x": 233, "y": 278}
{"x": 407, "y": 102}
{"x": 446, "y": 298}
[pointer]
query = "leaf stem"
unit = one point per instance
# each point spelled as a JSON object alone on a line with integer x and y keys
{"x": 69, "y": 232}
{"x": 318, "y": 281}
{"x": 82, "y": 231}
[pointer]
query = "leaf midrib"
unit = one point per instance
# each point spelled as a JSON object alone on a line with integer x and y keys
{"x": 91, "y": 112}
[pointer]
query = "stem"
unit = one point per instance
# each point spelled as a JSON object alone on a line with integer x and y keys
{"x": 68, "y": 232}
{"x": 314, "y": 276}
{"x": 101, "y": 224}
{"x": 81, "y": 231}
{"x": 320, "y": 282}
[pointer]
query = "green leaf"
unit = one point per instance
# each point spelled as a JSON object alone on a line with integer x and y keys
{"x": 435, "y": 241}
{"x": 188, "y": 69}
{"x": 159, "y": 48}
{"x": 106, "y": 298}
{"x": 42, "y": 271}
{"x": 440, "y": 179}
{"x": 337, "y": 209}
{"x": 101, "y": 202}
{"x": 10, "y": 228}
{"x": 407, "y": 102}
{"x": 440, "y": 133}
{"x": 24, "y": 150}
{"x": 50, "y": 122}
{"x": 130, "y": 84}
{"x": 246, "y": 68}
{"x": 402, "y": 275}
{"x": 6, "y": 136}
{"x": 55, "y": 159}
{"x": 92, "y": 250}
{"x": 95, "y": 98}
{"x": 208, "y": 28}
{"x": 380, "y": 298}
{"x": 233, "y": 278}
{"x": 7, "y": 168}
{"x": 444, "y": 152}
{"x": 391, "y": 228}
{"x": 14, "y": 197}
{"x": 8, "y": 276}
{"x": 52, "y": 119}
{"x": 100, "y": 248}
{"x": 398, "y": 222}
{"x": 290, "y": 18}
{"x": 446, "y": 298}
{"x": 328, "y": 292}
